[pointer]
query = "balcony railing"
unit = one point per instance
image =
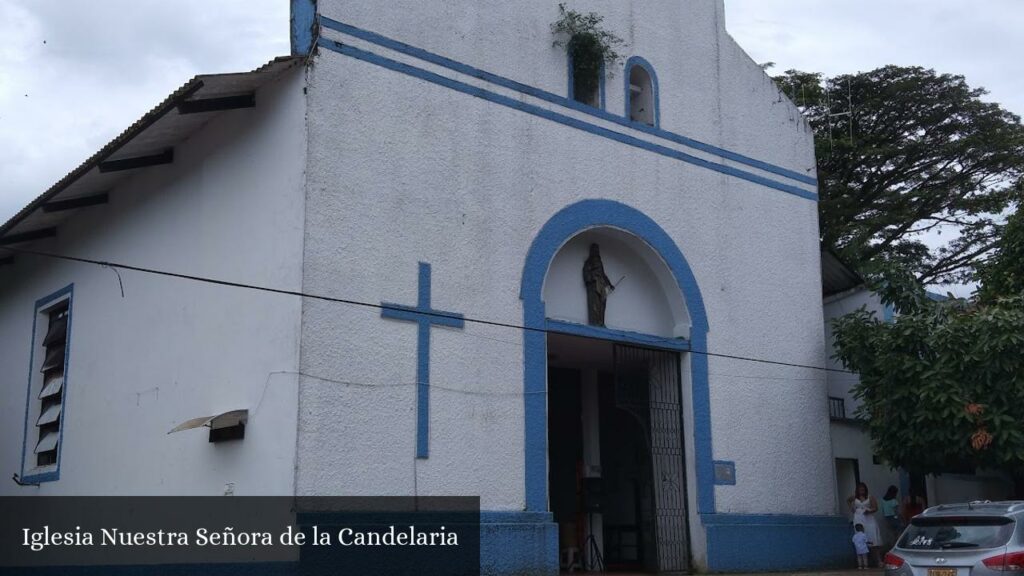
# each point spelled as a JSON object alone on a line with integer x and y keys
{"x": 836, "y": 408}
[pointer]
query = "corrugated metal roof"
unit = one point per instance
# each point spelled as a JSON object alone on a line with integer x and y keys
{"x": 158, "y": 130}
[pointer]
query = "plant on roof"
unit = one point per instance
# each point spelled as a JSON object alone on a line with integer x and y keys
{"x": 589, "y": 46}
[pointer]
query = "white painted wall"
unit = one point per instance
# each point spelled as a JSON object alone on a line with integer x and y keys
{"x": 402, "y": 171}
{"x": 230, "y": 207}
{"x": 710, "y": 89}
{"x": 849, "y": 439}
{"x": 839, "y": 383}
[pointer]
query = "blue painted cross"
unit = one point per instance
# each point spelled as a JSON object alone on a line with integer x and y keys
{"x": 425, "y": 316}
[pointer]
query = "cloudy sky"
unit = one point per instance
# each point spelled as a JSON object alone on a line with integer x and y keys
{"x": 74, "y": 73}
{"x": 982, "y": 40}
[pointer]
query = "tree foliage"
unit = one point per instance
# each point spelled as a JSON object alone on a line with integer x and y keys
{"x": 903, "y": 152}
{"x": 942, "y": 385}
{"x": 589, "y": 45}
{"x": 1003, "y": 275}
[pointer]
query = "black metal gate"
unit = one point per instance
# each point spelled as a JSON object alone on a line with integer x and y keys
{"x": 647, "y": 384}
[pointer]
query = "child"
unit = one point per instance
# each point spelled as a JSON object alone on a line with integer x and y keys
{"x": 860, "y": 544}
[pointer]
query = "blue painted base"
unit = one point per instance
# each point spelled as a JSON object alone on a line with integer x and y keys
{"x": 742, "y": 543}
{"x": 518, "y": 544}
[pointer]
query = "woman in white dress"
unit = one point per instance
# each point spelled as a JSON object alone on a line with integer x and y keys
{"x": 863, "y": 505}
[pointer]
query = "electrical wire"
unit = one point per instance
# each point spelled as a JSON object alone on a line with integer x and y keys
{"x": 385, "y": 386}
{"x": 371, "y": 305}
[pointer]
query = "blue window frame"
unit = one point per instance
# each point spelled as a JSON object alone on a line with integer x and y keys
{"x": 643, "y": 103}
{"x": 46, "y": 398}
{"x": 596, "y": 100}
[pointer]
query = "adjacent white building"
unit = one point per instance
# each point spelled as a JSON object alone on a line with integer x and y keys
{"x": 423, "y": 174}
{"x": 852, "y": 448}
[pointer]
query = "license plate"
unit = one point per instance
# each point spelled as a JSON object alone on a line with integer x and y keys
{"x": 942, "y": 572}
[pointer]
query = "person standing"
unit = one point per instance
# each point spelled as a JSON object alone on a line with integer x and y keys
{"x": 891, "y": 510}
{"x": 863, "y": 505}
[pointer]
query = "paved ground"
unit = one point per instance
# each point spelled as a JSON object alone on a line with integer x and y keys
{"x": 871, "y": 572}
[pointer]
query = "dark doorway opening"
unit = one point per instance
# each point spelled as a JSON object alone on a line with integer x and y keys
{"x": 847, "y": 478}
{"x": 615, "y": 459}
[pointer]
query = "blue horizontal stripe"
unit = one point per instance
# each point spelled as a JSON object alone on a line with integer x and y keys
{"x": 515, "y": 517}
{"x": 623, "y": 336}
{"x": 468, "y": 70}
{"x": 559, "y": 118}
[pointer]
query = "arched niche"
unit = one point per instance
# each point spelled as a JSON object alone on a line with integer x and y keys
{"x": 642, "y": 101}
{"x": 646, "y": 299}
{"x": 555, "y": 234}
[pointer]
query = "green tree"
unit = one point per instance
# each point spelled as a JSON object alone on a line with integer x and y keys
{"x": 903, "y": 152}
{"x": 1003, "y": 275}
{"x": 942, "y": 386}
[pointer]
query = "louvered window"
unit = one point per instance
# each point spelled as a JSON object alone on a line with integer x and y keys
{"x": 51, "y": 395}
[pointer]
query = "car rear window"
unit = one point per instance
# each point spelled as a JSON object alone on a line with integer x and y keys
{"x": 946, "y": 532}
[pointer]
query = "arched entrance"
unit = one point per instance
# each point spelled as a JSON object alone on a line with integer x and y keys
{"x": 658, "y": 314}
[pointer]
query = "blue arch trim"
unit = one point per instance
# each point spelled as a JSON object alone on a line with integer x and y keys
{"x": 564, "y": 225}
{"x": 643, "y": 63}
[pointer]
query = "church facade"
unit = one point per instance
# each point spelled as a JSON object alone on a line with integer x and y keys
{"x": 599, "y": 313}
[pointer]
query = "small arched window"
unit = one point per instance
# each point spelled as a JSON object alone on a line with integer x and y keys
{"x": 641, "y": 92}
{"x": 586, "y": 86}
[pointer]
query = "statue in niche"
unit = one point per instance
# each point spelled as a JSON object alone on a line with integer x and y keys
{"x": 598, "y": 287}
